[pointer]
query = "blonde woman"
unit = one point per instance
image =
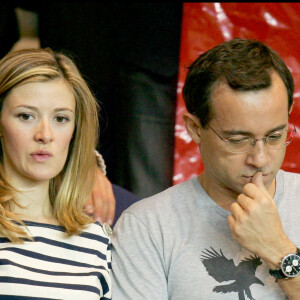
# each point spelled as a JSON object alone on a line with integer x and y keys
{"x": 49, "y": 248}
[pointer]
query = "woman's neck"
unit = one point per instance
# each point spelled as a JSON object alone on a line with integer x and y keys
{"x": 34, "y": 202}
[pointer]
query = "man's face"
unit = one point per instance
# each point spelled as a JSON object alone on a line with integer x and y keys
{"x": 254, "y": 113}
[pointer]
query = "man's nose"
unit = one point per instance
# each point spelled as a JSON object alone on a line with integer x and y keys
{"x": 44, "y": 132}
{"x": 259, "y": 155}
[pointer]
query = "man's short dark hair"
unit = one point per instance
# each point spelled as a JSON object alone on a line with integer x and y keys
{"x": 244, "y": 64}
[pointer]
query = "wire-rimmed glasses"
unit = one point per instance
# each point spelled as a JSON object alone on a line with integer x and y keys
{"x": 243, "y": 144}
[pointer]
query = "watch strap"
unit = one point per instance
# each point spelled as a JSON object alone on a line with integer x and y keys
{"x": 278, "y": 274}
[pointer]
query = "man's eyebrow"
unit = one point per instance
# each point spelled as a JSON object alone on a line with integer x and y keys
{"x": 241, "y": 132}
{"x": 280, "y": 127}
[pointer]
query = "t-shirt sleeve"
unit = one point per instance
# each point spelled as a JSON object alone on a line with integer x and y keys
{"x": 137, "y": 262}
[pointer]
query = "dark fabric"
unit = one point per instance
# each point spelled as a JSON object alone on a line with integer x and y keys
{"x": 145, "y": 140}
{"x": 144, "y": 34}
{"x": 148, "y": 35}
{"x": 124, "y": 199}
{"x": 109, "y": 41}
{"x": 9, "y": 32}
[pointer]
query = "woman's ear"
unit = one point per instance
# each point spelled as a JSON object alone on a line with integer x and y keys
{"x": 192, "y": 125}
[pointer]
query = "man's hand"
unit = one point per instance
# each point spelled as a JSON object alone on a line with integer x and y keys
{"x": 256, "y": 225}
{"x": 102, "y": 203}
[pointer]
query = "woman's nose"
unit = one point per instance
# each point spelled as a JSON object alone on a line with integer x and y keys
{"x": 44, "y": 132}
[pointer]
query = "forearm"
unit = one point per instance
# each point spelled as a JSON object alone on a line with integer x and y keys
{"x": 291, "y": 287}
{"x": 102, "y": 202}
{"x": 256, "y": 225}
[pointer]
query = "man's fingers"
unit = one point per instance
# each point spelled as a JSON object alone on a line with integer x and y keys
{"x": 104, "y": 205}
{"x": 105, "y": 214}
{"x": 99, "y": 213}
{"x": 256, "y": 189}
{"x": 111, "y": 208}
{"x": 245, "y": 202}
{"x": 237, "y": 211}
{"x": 88, "y": 206}
{"x": 258, "y": 181}
{"x": 231, "y": 222}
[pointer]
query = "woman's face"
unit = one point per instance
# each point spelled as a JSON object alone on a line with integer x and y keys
{"x": 37, "y": 122}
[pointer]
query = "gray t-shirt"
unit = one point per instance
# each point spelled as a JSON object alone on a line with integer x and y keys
{"x": 177, "y": 245}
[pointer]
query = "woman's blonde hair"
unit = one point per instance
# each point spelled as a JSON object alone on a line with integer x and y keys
{"x": 70, "y": 189}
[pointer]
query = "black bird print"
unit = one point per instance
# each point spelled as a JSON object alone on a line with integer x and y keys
{"x": 223, "y": 269}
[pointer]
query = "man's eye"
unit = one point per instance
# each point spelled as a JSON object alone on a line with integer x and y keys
{"x": 238, "y": 140}
{"x": 274, "y": 137}
{"x": 25, "y": 117}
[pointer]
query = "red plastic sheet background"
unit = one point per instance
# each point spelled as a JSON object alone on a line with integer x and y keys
{"x": 205, "y": 25}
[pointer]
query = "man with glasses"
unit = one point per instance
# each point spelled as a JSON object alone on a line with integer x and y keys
{"x": 233, "y": 231}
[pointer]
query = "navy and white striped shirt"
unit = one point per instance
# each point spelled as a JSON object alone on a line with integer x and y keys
{"x": 55, "y": 266}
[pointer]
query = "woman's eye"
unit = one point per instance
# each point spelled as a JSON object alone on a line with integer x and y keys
{"x": 61, "y": 119}
{"x": 25, "y": 117}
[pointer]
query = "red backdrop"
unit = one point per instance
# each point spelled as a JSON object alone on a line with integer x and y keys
{"x": 205, "y": 25}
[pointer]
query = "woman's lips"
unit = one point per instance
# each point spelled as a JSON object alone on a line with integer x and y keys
{"x": 41, "y": 156}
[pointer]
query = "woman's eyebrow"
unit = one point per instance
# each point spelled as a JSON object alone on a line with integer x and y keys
{"x": 36, "y": 108}
{"x": 63, "y": 109}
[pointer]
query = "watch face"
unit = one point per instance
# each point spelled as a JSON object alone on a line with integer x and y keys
{"x": 290, "y": 265}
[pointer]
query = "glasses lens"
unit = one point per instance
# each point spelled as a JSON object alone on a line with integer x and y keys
{"x": 279, "y": 139}
{"x": 239, "y": 144}
{"x": 276, "y": 140}
{"x": 290, "y": 135}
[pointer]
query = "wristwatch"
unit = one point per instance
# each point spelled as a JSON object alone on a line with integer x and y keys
{"x": 289, "y": 266}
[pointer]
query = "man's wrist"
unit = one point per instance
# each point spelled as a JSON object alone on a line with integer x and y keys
{"x": 289, "y": 266}
{"x": 274, "y": 256}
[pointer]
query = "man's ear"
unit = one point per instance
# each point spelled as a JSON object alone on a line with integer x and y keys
{"x": 192, "y": 125}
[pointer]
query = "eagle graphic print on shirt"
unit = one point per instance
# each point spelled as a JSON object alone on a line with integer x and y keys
{"x": 223, "y": 269}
